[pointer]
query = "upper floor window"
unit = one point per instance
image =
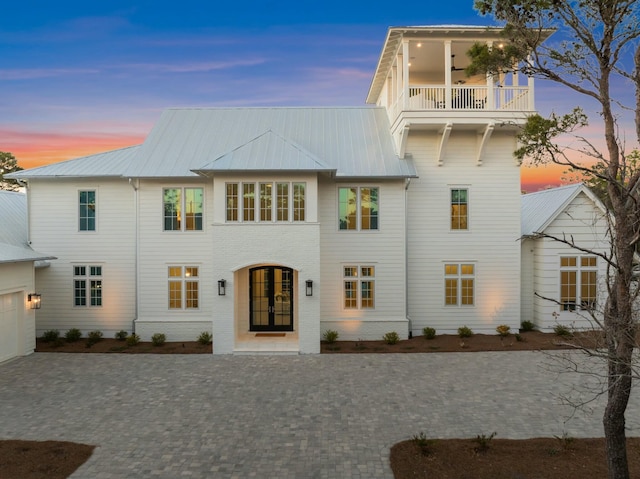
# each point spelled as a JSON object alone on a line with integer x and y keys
{"x": 87, "y": 285}
{"x": 183, "y": 209}
{"x": 578, "y": 282}
{"x": 358, "y": 208}
{"x": 276, "y": 201}
{"x": 87, "y": 210}
{"x": 359, "y": 287}
{"x": 459, "y": 209}
{"x": 459, "y": 282}
{"x": 184, "y": 287}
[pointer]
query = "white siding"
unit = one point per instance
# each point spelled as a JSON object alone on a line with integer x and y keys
{"x": 527, "y": 275}
{"x": 490, "y": 242}
{"x": 16, "y": 282}
{"x": 587, "y": 225}
{"x": 384, "y": 249}
{"x": 54, "y": 230}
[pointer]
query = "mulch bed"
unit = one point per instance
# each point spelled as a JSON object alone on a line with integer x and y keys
{"x": 41, "y": 459}
{"x": 110, "y": 345}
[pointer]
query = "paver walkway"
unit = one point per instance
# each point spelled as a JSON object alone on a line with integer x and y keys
{"x": 324, "y": 416}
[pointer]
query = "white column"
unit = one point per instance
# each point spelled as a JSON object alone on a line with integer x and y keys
{"x": 491, "y": 101}
{"x": 405, "y": 74}
{"x": 532, "y": 103}
{"x": 447, "y": 73}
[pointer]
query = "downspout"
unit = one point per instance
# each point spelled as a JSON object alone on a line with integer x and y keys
{"x": 406, "y": 253}
{"x": 136, "y": 252}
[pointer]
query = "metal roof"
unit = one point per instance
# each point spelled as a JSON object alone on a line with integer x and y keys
{"x": 353, "y": 142}
{"x": 110, "y": 163}
{"x": 13, "y": 233}
{"x": 541, "y": 208}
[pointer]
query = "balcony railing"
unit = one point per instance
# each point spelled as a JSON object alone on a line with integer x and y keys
{"x": 463, "y": 98}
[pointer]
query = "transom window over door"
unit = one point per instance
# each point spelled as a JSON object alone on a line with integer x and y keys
{"x": 183, "y": 218}
{"x": 358, "y": 208}
{"x": 266, "y": 202}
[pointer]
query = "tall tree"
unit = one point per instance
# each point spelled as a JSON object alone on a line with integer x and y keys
{"x": 8, "y": 164}
{"x": 596, "y": 53}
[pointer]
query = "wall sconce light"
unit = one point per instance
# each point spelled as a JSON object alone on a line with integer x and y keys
{"x": 309, "y": 284}
{"x": 222, "y": 286}
{"x": 35, "y": 300}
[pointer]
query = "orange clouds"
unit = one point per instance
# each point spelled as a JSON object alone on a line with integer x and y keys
{"x": 33, "y": 149}
{"x": 535, "y": 178}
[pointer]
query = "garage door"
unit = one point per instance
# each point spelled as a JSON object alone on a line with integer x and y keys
{"x": 8, "y": 326}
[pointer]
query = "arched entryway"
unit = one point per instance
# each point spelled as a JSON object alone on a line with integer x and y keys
{"x": 271, "y": 298}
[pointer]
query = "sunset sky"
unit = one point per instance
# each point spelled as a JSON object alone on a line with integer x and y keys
{"x": 78, "y": 78}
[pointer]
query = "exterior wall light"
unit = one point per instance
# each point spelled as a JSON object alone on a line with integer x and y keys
{"x": 309, "y": 284}
{"x": 35, "y": 300}
{"x": 222, "y": 287}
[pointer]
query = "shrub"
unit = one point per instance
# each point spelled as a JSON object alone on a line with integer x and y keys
{"x": 121, "y": 335}
{"x": 133, "y": 340}
{"x": 562, "y": 331}
{"x": 484, "y": 441}
{"x": 391, "y": 337}
{"x": 330, "y": 336}
{"x": 73, "y": 335}
{"x": 51, "y": 336}
{"x": 527, "y": 326}
{"x": 424, "y": 443}
{"x": 205, "y": 338}
{"x": 519, "y": 337}
{"x": 94, "y": 337}
{"x": 158, "y": 339}
{"x": 465, "y": 332}
{"x": 503, "y": 330}
{"x": 429, "y": 333}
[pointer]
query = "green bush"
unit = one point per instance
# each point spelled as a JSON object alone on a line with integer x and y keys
{"x": 121, "y": 335}
{"x": 158, "y": 339}
{"x": 330, "y": 336}
{"x": 424, "y": 443}
{"x": 527, "y": 326}
{"x": 429, "y": 333}
{"x": 391, "y": 337}
{"x": 133, "y": 340}
{"x": 483, "y": 442}
{"x": 562, "y": 331}
{"x": 205, "y": 338}
{"x": 73, "y": 335}
{"x": 51, "y": 336}
{"x": 503, "y": 330}
{"x": 94, "y": 337}
{"x": 519, "y": 337}
{"x": 465, "y": 332}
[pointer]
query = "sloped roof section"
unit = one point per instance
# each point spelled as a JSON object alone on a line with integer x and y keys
{"x": 110, "y": 163}
{"x": 353, "y": 142}
{"x": 268, "y": 151}
{"x": 541, "y": 208}
{"x": 13, "y": 233}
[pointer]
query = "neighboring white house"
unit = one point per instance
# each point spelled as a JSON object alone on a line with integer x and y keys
{"x": 17, "y": 279}
{"x": 268, "y": 226}
{"x": 560, "y": 284}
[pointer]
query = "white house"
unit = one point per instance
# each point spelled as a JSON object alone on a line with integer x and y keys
{"x": 18, "y": 297}
{"x": 268, "y": 226}
{"x": 561, "y": 284}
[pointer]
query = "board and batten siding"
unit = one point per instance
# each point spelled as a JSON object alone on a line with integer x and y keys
{"x": 384, "y": 249}
{"x": 527, "y": 275}
{"x": 158, "y": 250}
{"x": 54, "y": 230}
{"x": 490, "y": 243}
{"x": 587, "y": 225}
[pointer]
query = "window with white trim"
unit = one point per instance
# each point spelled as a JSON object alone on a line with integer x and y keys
{"x": 277, "y": 201}
{"x": 87, "y": 210}
{"x": 183, "y": 218}
{"x": 358, "y": 287}
{"x": 459, "y": 284}
{"x": 184, "y": 287}
{"x": 87, "y": 285}
{"x": 459, "y": 209}
{"x": 358, "y": 208}
{"x": 578, "y": 282}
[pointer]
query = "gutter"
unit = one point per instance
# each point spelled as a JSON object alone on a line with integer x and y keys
{"x": 136, "y": 253}
{"x": 407, "y": 183}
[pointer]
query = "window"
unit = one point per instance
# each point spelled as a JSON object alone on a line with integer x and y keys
{"x": 358, "y": 208}
{"x": 459, "y": 209}
{"x": 183, "y": 287}
{"x": 278, "y": 201}
{"x": 359, "y": 287}
{"x": 459, "y": 281}
{"x": 87, "y": 284}
{"x": 87, "y": 210}
{"x": 578, "y": 274}
{"x": 188, "y": 219}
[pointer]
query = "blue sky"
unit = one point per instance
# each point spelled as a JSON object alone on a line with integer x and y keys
{"x": 82, "y": 77}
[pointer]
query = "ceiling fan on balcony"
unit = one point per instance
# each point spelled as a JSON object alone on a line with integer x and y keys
{"x": 453, "y": 67}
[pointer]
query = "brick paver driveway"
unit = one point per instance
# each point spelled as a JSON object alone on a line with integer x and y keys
{"x": 324, "y": 416}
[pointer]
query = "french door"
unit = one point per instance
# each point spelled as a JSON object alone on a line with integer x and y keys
{"x": 271, "y": 299}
